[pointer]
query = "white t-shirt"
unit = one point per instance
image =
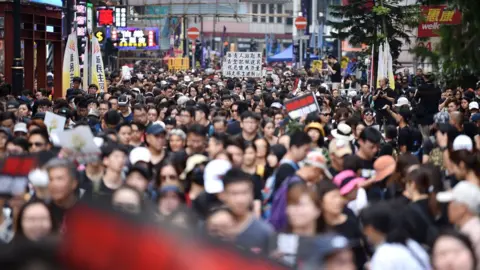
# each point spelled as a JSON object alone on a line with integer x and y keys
{"x": 393, "y": 256}
{"x": 359, "y": 203}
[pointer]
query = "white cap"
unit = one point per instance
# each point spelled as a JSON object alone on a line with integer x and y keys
{"x": 402, "y": 101}
{"x": 473, "y": 105}
{"x": 38, "y": 178}
{"x": 213, "y": 174}
{"x": 277, "y": 105}
{"x": 140, "y": 154}
{"x": 163, "y": 82}
{"x": 462, "y": 142}
{"x": 20, "y": 127}
{"x": 465, "y": 193}
{"x": 187, "y": 78}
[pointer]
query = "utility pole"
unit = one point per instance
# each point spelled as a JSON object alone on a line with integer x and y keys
{"x": 17, "y": 68}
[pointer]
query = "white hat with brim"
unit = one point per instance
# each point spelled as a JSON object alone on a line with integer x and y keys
{"x": 465, "y": 193}
{"x": 402, "y": 102}
{"x": 343, "y": 132}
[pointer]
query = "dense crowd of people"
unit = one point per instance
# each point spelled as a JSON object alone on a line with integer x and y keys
{"x": 375, "y": 179}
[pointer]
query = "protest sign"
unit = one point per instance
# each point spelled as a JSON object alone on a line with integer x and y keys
{"x": 55, "y": 123}
{"x": 14, "y": 174}
{"x": 80, "y": 142}
{"x": 302, "y": 106}
{"x": 242, "y": 64}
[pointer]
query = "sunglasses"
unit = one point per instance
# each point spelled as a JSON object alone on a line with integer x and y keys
{"x": 367, "y": 114}
{"x": 325, "y": 114}
{"x": 37, "y": 144}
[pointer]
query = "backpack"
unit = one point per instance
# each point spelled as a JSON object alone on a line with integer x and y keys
{"x": 278, "y": 215}
{"x": 270, "y": 187}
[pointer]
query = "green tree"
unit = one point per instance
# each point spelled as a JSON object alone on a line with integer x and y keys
{"x": 363, "y": 22}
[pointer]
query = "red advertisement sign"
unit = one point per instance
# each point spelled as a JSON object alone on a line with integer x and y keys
{"x": 434, "y": 17}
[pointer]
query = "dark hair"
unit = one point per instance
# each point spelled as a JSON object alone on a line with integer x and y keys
{"x": 190, "y": 111}
{"x": 19, "y": 232}
{"x": 43, "y": 133}
{"x": 425, "y": 181}
{"x": 110, "y": 147}
{"x": 371, "y": 134}
{"x": 471, "y": 160}
{"x": 323, "y": 187}
{"x": 19, "y": 141}
{"x": 299, "y": 139}
{"x": 267, "y": 121}
{"x": 236, "y": 142}
{"x": 391, "y": 132}
{"x": 165, "y": 163}
{"x": 404, "y": 162}
{"x": 112, "y": 118}
{"x": 123, "y": 125}
{"x": 141, "y": 127}
{"x": 236, "y": 175}
{"x": 7, "y": 116}
{"x": 198, "y": 130}
{"x": 250, "y": 114}
{"x": 139, "y": 107}
{"x": 221, "y": 138}
{"x": 383, "y": 218}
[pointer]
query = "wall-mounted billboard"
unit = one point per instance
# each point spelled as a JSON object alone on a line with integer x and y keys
{"x": 134, "y": 38}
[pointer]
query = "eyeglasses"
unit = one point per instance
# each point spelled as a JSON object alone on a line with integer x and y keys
{"x": 37, "y": 144}
{"x": 368, "y": 114}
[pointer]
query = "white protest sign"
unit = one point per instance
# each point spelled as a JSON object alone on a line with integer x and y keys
{"x": 126, "y": 75}
{"x": 242, "y": 64}
{"x": 80, "y": 141}
{"x": 55, "y": 123}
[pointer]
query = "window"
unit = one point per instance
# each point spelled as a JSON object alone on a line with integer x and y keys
{"x": 271, "y": 10}
{"x": 279, "y": 11}
{"x": 263, "y": 10}
{"x": 255, "y": 11}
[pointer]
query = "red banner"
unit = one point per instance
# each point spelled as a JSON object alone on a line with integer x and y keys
{"x": 434, "y": 17}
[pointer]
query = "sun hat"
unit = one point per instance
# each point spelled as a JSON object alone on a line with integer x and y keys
{"x": 343, "y": 132}
{"x": 347, "y": 181}
{"x": 384, "y": 166}
{"x": 317, "y": 126}
{"x": 402, "y": 102}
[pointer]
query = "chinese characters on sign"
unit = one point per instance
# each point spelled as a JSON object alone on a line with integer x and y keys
{"x": 105, "y": 16}
{"x": 434, "y": 17}
{"x": 120, "y": 16}
{"x": 133, "y": 38}
{"x": 242, "y": 64}
{"x": 81, "y": 19}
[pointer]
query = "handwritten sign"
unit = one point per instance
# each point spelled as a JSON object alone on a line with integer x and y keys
{"x": 242, "y": 64}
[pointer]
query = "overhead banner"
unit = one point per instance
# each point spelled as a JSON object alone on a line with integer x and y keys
{"x": 71, "y": 66}
{"x": 98, "y": 71}
{"x": 434, "y": 17}
{"x": 242, "y": 64}
{"x": 302, "y": 106}
{"x": 134, "y": 38}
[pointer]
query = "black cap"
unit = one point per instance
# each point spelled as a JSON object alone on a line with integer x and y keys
{"x": 39, "y": 115}
{"x": 142, "y": 170}
{"x": 13, "y": 104}
{"x": 65, "y": 112}
{"x": 123, "y": 100}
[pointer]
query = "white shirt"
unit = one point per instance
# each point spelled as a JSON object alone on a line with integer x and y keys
{"x": 359, "y": 203}
{"x": 395, "y": 256}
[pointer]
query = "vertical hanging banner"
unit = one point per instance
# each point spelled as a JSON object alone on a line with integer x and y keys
{"x": 98, "y": 71}
{"x": 86, "y": 56}
{"x": 71, "y": 67}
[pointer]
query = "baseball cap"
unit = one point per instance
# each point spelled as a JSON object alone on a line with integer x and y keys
{"x": 276, "y": 105}
{"x": 20, "y": 127}
{"x": 476, "y": 117}
{"x": 123, "y": 100}
{"x": 325, "y": 245}
{"x": 465, "y": 193}
{"x": 442, "y": 118}
{"x": 213, "y": 175}
{"x": 316, "y": 159}
{"x": 402, "y": 102}
{"x": 473, "y": 105}
{"x": 155, "y": 129}
{"x": 94, "y": 112}
{"x": 65, "y": 112}
{"x": 462, "y": 142}
{"x": 13, "y": 104}
{"x": 140, "y": 154}
{"x": 141, "y": 170}
{"x": 347, "y": 181}
{"x": 191, "y": 163}
{"x": 384, "y": 166}
{"x": 339, "y": 148}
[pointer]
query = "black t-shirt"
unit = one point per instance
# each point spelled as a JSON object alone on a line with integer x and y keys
{"x": 337, "y": 77}
{"x": 381, "y": 101}
{"x": 351, "y": 230}
{"x": 405, "y": 138}
{"x": 285, "y": 170}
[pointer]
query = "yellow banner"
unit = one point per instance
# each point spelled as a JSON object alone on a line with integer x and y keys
{"x": 98, "y": 71}
{"x": 71, "y": 66}
{"x": 317, "y": 65}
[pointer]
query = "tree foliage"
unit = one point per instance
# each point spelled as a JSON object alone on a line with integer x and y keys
{"x": 458, "y": 54}
{"x": 360, "y": 22}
